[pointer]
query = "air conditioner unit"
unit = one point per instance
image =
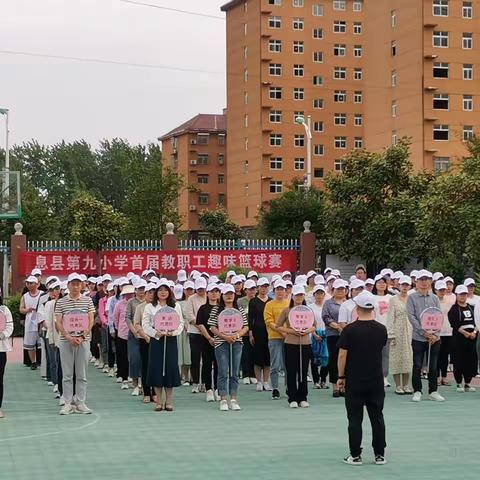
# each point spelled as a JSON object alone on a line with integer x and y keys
{"x": 193, "y": 162}
{"x": 193, "y": 208}
{"x": 193, "y": 142}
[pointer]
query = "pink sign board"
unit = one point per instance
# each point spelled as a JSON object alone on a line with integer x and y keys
{"x": 230, "y": 321}
{"x": 3, "y": 322}
{"x": 354, "y": 315}
{"x": 75, "y": 321}
{"x": 166, "y": 320}
{"x": 383, "y": 306}
{"x": 432, "y": 319}
{"x": 301, "y": 318}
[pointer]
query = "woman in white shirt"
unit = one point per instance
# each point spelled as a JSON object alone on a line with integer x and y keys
{"x": 441, "y": 291}
{"x": 319, "y": 297}
{"x": 6, "y": 330}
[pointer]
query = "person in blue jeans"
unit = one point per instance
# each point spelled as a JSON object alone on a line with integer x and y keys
{"x": 228, "y": 347}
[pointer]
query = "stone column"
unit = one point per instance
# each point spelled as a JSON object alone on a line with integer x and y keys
{"x": 308, "y": 255}
{"x": 170, "y": 242}
{"x": 18, "y": 245}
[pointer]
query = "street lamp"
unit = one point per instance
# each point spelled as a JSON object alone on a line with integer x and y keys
{"x": 308, "y": 130}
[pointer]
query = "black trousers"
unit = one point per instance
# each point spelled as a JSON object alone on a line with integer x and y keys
{"x": 420, "y": 350}
{"x": 444, "y": 356}
{"x": 3, "y": 362}
{"x": 297, "y": 389}
{"x": 464, "y": 355}
{"x": 144, "y": 355}
{"x": 122, "y": 357}
{"x": 372, "y": 397}
{"x": 111, "y": 350}
{"x": 332, "y": 358}
{"x": 247, "y": 358}
{"x": 196, "y": 355}
{"x": 208, "y": 362}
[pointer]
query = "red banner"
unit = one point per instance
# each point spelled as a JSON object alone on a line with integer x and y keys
{"x": 119, "y": 263}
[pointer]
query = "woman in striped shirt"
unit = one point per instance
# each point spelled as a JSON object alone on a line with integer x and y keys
{"x": 226, "y": 347}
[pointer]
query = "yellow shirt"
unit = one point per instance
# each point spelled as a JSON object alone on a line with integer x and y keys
{"x": 272, "y": 312}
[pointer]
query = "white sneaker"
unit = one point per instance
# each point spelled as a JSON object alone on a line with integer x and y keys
{"x": 111, "y": 372}
{"x": 234, "y": 405}
{"x": 119, "y": 380}
{"x": 317, "y": 386}
{"x": 93, "y": 360}
{"x": 468, "y": 388}
{"x": 50, "y": 384}
{"x": 83, "y": 409}
{"x": 210, "y": 396}
{"x": 309, "y": 380}
{"x": 124, "y": 386}
{"x": 293, "y": 405}
{"x": 417, "y": 396}
{"x": 304, "y": 404}
{"x": 246, "y": 381}
{"x": 460, "y": 389}
{"x": 253, "y": 381}
{"x": 67, "y": 409}
{"x": 61, "y": 402}
{"x": 195, "y": 389}
{"x": 136, "y": 392}
{"x": 202, "y": 388}
{"x": 216, "y": 395}
{"x": 101, "y": 366}
{"x": 105, "y": 369}
{"x": 386, "y": 383}
{"x": 259, "y": 387}
{"x": 186, "y": 384}
{"x": 436, "y": 397}
{"x": 267, "y": 387}
{"x": 55, "y": 389}
{"x": 97, "y": 363}
{"x": 223, "y": 406}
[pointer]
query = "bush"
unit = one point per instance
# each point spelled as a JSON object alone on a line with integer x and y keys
{"x": 13, "y": 303}
{"x": 223, "y": 274}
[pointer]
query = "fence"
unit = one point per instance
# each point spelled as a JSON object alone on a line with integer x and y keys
{"x": 240, "y": 244}
{"x": 73, "y": 246}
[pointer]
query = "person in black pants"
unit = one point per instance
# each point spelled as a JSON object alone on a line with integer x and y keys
{"x": 360, "y": 375}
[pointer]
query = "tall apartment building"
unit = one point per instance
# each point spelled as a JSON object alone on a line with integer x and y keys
{"x": 367, "y": 72}
{"x": 196, "y": 150}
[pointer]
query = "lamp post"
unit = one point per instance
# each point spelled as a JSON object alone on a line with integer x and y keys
{"x": 308, "y": 130}
{"x": 5, "y": 111}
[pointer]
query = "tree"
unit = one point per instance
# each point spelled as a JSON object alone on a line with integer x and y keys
{"x": 95, "y": 223}
{"x": 218, "y": 224}
{"x": 373, "y": 206}
{"x": 285, "y": 215}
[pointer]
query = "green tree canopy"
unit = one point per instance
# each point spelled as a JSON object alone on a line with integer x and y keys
{"x": 217, "y": 224}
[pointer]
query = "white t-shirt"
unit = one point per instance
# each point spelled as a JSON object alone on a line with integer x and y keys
{"x": 31, "y": 319}
{"x": 473, "y": 301}
{"x": 317, "y": 311}
{"x": 346, "y": 310}
{"x": 445, "y": 306}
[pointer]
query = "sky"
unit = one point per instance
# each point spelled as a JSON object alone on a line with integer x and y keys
{"x": 56, "y": 99}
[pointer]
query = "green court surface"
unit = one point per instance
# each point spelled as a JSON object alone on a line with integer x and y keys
{"x": 126, "y": 439}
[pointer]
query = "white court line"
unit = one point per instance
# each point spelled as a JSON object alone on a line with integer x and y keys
{"x": 47, "y": 434}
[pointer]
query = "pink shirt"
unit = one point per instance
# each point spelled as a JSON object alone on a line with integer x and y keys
{"x": 119, "y": 319}
{"x": 102, "y": 312}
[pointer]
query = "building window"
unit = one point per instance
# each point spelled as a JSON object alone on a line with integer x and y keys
{"x": 221, "y": 178}
{"x": 358, "y": 120}
{"x": 339, "y": 5}
{"x": 393, "y": 48}
{"x": 275, "y": 69}
{"x": 440, "y": 39}
{"x": 298, "y": 47}
{"x": 276, "y": 163}
{"x": 221, "y": 159}
{"x": 467, "y": 10}
{"x": 221, "y": 139}
{"x": 358, "y": 97}
{"x": 245, "y": 169}
{"x": 245, "y": 120}
{"x": 276, "y": 140}
{"x": 299, "y": 141}
{"x": 394, "y": 137}
{"x": 394, "y": 108}
{"x": 299, "y": 164}
{"x": 245, "y": 97}
{"x": 318, "y": 150}
{"x": 275, "y": 2}
{"x": 394, "y": 78}
{"x": 340, "y": 142}
{"x": 246, "y": 143}
{"x": 318, "y": 103}
{"x": 468, "y": 103}
{"x": 440, "y": 132}
{"x": 338, "y": 165}
{"x": 441, "y": 164}
{"x": 202, "y": 178}
{"x": 298, "y": 93}
{"x": 275, "y": 22}
{"x": 467, "y": 41}
{"x": 203, "y": 198}
{"x": 357, "y": 28}
{"x": 357, "y": 74}
{"x": 202, "y": 159}
{"x": 357, "y": 6}
{"x": 317, "y": 33}
{"x": 340, "y": 119}
{"x": 317, "y": 10}
{"x": 298, "y": 23}
{"x": 440, "y": 70}
{"x": 318, "y": 57}
{"x": 393, "y": 17}
{"x": 467, "y": 71}
{"x": 202, "y": 138}
{"x": 441, "y": 101}
{"x": 339, "y": 73}
{"x": 298, "y": 70}
{"x": 245, "y": 75}
{"x": 357, "y": 51}
{"x": 298, "y": 3}
{"x": 358, "y": 142}
{"x": 317, "y": 80}
{"x": 221, "y": 199}
{"x": 440, "y": 8}
{"x": 275, "y": 46}
{"x": 318, "y": 127}
{"x": 318, "y": 172}
{"x": 340, "y": 50}
{"x": 276, "y": 186}
{"x": 468, "y": 133}
{"x": 245, "y": 29}
{"x": 339, "y": 26}
{"x": 275, "y": 116}
{"x": 275, "y": 93}
{"x": 340, "y": 96}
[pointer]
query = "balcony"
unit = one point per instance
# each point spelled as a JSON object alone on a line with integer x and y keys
{"x": 431, "y": 150}
{"x": 430, "y": 88}
{"x": 430, "y": 56}
{"x": 430, "y": 24}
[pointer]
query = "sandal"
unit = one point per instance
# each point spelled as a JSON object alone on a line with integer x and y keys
{"x": 169, "y": 408}
{"x": 445, "y": 383}
{"x": 147, "y": 399}
{"x": 158, "y": 408}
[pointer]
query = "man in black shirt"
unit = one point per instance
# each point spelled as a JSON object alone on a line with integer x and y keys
{"x": 361, "y": 377}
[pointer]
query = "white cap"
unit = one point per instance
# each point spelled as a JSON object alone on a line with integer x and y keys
{"x": 298, "y": 290}
{"x": 252, "y": 273}
{"x": 369, "y": 281}
{"x": 249, "y": 284}
{"x": 74, "y": 276}
{"x": 163, "y": 282}
{"x": 352, "y": 278}
{"x": 231, "y": 273}
{"x": 279, "y": 284}
{"x": 449, "y": 279}
{"x": 99, "y": 281}
{"x": 437, "y": 276}
{"x": 83, "y": 277}
{"x": 339, "y": 283}
{"x": 178, "y": 292}
{"x": 92, "y": 279}
{"x": 275, "y": 278}
{"x": 414, "y": 273}
{"x": 242, "y": 276}
{"x": 336, "y": 273}
{"x": 188, "y": 284}
{"x": 288, "y": 283}
{"x": 301, "y": 280}
{"x": 311, "y": 273}
{"x": 357, "y": 283}
{"x": 123, "y": 281}
{"x": 154, "y": 279}
{"x": 52, "y": 279}
{"x": 236, "y": 279}
{"x": 181, "y": 276}
{"x": 319, "y": 288}
{"x": 468, "y": 282}
{"x": 228, "y": 288}
{"x": 331, "y": 278}
{"x": 262, "y": 281}
{"x": 200, "y": 283}
{"x": 327, "y": 271}
{"x": 54, "y": 285}
{"x": 205, "y": 275}
{"x": 461, "y": 289}
{"x": 424, "y": 274}
{"x": 150, "y": 286}
{"x": 213, "y": 286}
{"x": 110, "y": 287}
{"x": 440, "y": 285}
{"x": 145, "y": 273}
{"x": 194, "y": 274}
{"x": 405, "y": 279}
{"x": 36, "y": 271}
{"x": 397, "y": 275}
{"x": 319, "y": 280}
{"x": 365, "y": 300}
{"x": 107, "y": 277}
{"x": 386, "y": 271}
{"x": 130, "y": 275}
{"x": 140, "y": 284}
{"x": 285, "y": 273}
{"x": 127, "y": 289}
{"x": 213, "y": 279}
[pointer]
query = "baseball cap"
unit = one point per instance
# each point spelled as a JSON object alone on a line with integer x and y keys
{"x": 228, "y": 288}
{"x": 252, "y": 273}
{"x": 200, "y": 283}
{"x": 150, "y": 286}
{"x": 369, "y": 281}
{"x": 318, "y": 288}
{"x": 440, "y": 285}
{"x": 360, "y": 266}
{"x": 469, "y": 281}
{"x": 36, "y": 271}
{"x": 327, "y": 271}
{"x": 339, "y": 283}
{"x": 414, "y": 273}
{"x": 74, "y": 276}
{"x": 236, "y": 279}
{"x": 288, "y": 283}
{"x": 437, "y": 276}
{"x": 397, "y": 275}
{"x": 424, "y": 274}
{"x": 357, "y": 283}
{"x": 178, "y": 292}
{"x": 319, "y": 279}
{"x": 331, "y": 278}
{"x": 311, "y": 273}
{"x": 127, "y": 289}
{"x": 298, "y": 290}
{"x": 212, "y": 286}
{"x": 107, "y": 277}
{"x": 51, "y": 279}
{"x": 279, "y": 284}
{"x": 301, "y": 280}
{"x": 140, "y": 284}
{"x": 163, "y": 282}
{"x": 213, "y": 279}
{"x": 249, "y": 284}
{"x": 231, "y": 273}
{"x": 188, "y": 284}
{"x": 54, "y": 285}
{"x": 262, "y": 281}
{"x": 275, "y": 278}
{"x": 461, "y": 289}
{"x": 181, "y": 275}
{"x": 449, "y": 279}
{"x": 405, "y": 279}
{"x": 379, "y": 277}
{"x": 365, "y": 300}
{"x": 386, "y": 271}
{"x": 286, "y": 273}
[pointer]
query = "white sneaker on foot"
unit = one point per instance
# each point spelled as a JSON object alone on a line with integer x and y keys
{"x": 124, "y": 386}
{"x": 386, "y": 383}
{"x": 304, "y": 404}
{"x": 253, "y": 381}
{"x": 119, "y": 380}
{"x": 67, "y": 410}
{"x": 216, "y": 396}
{"x": 136, "y": 392}
{"x": 259, "y": 387}
{"x": 246, "y": 381}
{"x": 460, "y": 389}
{"x": 195, "y": 388}
{"x": 234, "y": 405}
{"x": 293, "y": 405}
{"x": 468, "y": 388}
{"x": 111, "y": 372}
{"x": 417, "y": 396}
{"x": 353, "y": 460}
{"x": 61, "y": 402}
{"x": 267, "y": 387}
{"x": 436, "y": 397}
{"x": 55, "y": 389}
{"x": 223, "y": 406}
{"x": 50, "y": 384}
{"x": 309, "y": 380}
{"x": 210, "y": 396}
{"x": 83, "y": 409}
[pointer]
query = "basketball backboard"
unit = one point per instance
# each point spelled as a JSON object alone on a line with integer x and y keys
{"x": 10, "y": 202}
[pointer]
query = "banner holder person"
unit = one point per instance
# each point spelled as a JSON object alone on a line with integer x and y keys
{"x": 230, "y": 322}
{"x": 301, "y": 318}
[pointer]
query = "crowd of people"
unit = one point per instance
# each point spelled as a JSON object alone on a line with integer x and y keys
{"x": 113, "y": 323}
